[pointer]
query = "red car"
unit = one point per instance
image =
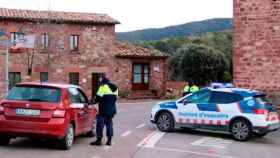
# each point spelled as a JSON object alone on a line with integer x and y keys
{"x": 46, "y": 110}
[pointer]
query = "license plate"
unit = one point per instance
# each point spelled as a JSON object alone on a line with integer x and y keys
{"x": 27, "y": 112}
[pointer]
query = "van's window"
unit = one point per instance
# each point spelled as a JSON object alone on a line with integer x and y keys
{"x": 225, "y": 97}
{"x": 35, "y": 93}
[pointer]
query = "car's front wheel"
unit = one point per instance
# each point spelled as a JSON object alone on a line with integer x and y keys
{"x": 241, "y": 130}
{"x": 165, "y": 122}
{"x": 4, "y": 141}
{"x": 67, "y": 142}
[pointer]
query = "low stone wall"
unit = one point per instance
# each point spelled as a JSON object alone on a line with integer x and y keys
{"x": 175, "y": 88}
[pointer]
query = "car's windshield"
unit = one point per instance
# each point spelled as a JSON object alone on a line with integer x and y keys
{"x": 35, "y": 93}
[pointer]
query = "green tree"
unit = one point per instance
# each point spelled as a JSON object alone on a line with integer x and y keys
{"x": 200, "y": 63}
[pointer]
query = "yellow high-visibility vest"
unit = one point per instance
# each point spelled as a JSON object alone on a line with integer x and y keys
{"x": 194, "y": 88}
{"x": 105, "y": 90}
{"x": 191, "y": 89}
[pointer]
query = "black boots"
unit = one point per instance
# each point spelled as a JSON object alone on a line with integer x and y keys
{"x": 109, "y": 142}
{"x": 97, "y": 142}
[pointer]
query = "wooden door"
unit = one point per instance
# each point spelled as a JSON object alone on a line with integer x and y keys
{"x": 140, "y": 76}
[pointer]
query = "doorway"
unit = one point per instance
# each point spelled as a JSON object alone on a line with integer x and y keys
{"x": 140, "y": 77}
{"x": 95, "y": 83}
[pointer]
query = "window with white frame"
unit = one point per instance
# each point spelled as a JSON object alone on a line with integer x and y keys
{"x": 74, "y": 42}
{"x": 15, "y": 36}
{"x": 45, "y": 40}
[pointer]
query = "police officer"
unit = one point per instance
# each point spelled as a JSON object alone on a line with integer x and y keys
{"x": 106, "y": 97}
{"x": 190, "y": 88}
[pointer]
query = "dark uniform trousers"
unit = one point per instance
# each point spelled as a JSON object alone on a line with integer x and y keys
{"x": 101, "y": 122}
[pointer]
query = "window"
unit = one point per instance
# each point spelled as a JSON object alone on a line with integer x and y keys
{"x": 74, "y": 78}
{"x": 202, "y": 96}
{"x": 225, "y": 97}
{"x": 15, "y": 36}
{"x": 45, "y": 40}
{"x": 146, "y": 74}
{"x": 74, "y": 42}
{"x": 35, "y": 93}
{"x": 44, "y": 76}
{"x": 141, "y": 73}
{"x": 77, "y": 96}
{"x": 137, "y": 74}
{"x": 14, "y": 78}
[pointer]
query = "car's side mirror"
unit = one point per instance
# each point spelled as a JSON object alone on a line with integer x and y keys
{"x": 91, "y": 102}
{"x": 186, "y": 102}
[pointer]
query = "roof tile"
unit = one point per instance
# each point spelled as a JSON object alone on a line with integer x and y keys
{"x": 56, "y": 16}
{"x": 131, "y": 50}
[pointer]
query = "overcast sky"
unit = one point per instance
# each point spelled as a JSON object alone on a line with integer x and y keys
{"x": 136, "y": 14}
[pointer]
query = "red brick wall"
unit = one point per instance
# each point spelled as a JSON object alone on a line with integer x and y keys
{"x": 157, "y": 80}
{"x": 256, "y": 45}
{"x": 96, "y": 54}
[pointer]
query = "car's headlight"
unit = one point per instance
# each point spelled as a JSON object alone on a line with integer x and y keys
{"x": 155, "y": 109}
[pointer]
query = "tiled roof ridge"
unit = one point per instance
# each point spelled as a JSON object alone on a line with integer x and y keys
{"x": 78, "y": 17}
{"x": 125, "y": 49}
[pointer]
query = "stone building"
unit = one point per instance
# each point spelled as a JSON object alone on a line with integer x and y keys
{"x": 78, "y": 48}
{"x": 256, "y": 45}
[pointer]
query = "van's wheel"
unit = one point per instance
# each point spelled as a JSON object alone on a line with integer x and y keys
{"x": 165, "y": 122}
{"x": 4, "y": 141}
{"x": 241, "y": 130}
{"x": 91, "y": 133}
{"x": 67, "y": 142}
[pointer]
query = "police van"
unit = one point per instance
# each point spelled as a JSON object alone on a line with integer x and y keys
{"x": 240, "y": 112}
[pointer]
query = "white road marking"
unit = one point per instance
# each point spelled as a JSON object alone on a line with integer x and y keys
{"x": 151, "y": 139}
{"x": 212, "y": 142}
{"x": 126, "y": 133}
{"x": 141, "y": 126}
{"x": 190, "y": 152}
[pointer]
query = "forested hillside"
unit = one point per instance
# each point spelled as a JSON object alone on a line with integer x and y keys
{"x": 204, "y": 58}
{"x": 188, "y": 29}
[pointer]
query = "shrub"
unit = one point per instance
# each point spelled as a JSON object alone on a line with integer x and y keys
{"x": 200, "y": 63}
{"x": 124, "y": 94}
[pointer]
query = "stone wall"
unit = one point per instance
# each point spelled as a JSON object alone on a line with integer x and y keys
{"x": 96, "y": 55}
{"x": 256, "y": 45}
{"x": 176, "y": 87}
{"x": 158, "y": 77}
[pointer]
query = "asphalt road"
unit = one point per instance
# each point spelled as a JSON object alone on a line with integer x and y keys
{"x": 135, "y": 137}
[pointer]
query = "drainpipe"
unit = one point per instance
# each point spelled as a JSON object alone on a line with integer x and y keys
{"x": 7, "y": 68}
